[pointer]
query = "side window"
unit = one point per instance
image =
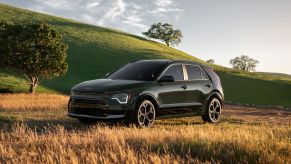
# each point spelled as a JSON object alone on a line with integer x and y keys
{"x": 176, "y": 71}
{"x": 195, "y": 73}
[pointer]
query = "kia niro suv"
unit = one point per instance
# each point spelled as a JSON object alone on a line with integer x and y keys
{"x": 143, "y": 91}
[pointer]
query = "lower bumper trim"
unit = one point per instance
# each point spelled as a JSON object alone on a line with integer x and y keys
{"x": 96, "y": 117}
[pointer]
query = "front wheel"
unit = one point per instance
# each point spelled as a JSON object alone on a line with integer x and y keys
{"x": 213, "y": 111}
{"x": 145, "y": 114}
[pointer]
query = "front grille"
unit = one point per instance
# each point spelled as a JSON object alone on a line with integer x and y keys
{"x": 92, "y": 107}
{"x": 88, "y": 101}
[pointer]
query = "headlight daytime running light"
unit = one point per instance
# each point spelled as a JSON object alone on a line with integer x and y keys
{"x": 122, "y": 98}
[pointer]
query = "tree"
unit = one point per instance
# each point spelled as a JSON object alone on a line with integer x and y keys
{"x": 164, "y": 32}
{"x": 36, "y": 50}
{"x": 210, "y": 61}
{"x": 244, "y": 63}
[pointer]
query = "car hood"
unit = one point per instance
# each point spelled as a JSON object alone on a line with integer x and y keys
{"x": 106, "y": 85}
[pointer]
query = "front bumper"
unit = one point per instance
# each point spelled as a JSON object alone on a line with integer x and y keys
{"x": 99, "y": 107}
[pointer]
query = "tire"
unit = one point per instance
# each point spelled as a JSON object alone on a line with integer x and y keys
{"x": 87, "y": 121}
{"x": 213, "y": 111}
{"x": 145, "y": 114}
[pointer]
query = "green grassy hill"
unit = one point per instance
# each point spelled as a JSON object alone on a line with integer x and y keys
{"x": 94, "y": 51}
{"x": 277, "y": 75}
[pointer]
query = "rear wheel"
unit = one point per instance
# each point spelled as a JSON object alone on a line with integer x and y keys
{"x": 213, "y": 111}
{"x": 145, "y": 114}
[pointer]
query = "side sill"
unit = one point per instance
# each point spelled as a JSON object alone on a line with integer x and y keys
{"x": 179, "y": 105}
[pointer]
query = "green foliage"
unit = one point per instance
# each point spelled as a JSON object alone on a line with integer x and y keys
{"x": 36, "y": 50}
{"x": 244, "y": 63}
{"x": 164, "y": 32}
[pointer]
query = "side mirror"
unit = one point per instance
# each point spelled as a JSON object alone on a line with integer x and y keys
{"x": 167, "y": 79}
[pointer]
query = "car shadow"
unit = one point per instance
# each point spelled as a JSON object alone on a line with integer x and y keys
{"x": 9, "y": 124}
{"x": 69, "y": 125}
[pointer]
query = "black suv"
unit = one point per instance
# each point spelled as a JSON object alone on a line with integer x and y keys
{"x": 142, "y": 91}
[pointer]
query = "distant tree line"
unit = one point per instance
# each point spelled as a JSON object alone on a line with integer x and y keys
{"x": 242, "y": 62}
{"x": 170, "y": 36}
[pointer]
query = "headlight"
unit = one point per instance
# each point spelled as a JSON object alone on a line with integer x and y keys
{"x": 122, "y": 98}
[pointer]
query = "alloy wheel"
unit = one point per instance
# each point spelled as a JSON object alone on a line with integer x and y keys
{"x": 146, "y": 114}
{"x": 214, "y": 110}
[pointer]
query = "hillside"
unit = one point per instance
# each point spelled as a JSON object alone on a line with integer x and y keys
{"x": 277, "y": 75}
{"x": 94, "y": 51}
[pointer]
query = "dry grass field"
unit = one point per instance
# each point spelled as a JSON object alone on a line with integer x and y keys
{"x": 35, "y": 129}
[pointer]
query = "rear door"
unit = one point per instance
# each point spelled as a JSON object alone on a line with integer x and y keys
{"x": 199, "y": 84}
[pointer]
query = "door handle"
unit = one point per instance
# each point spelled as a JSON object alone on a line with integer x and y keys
{"x": 185, "y": 86}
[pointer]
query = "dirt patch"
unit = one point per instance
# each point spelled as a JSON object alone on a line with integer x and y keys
{"x": 264, "y": 115}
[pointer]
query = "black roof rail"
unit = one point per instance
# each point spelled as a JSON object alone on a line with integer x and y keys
{"x": 186, "y": 61}
{"x": 133, "y": 61}
{"x": 150, "y": 60}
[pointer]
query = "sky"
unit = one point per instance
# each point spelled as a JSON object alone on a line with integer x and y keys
{"x": 212, "y": 29}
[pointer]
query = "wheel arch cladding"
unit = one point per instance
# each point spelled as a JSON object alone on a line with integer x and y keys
{"x": 149, "y": 97}
{"x": 215, "y": 94}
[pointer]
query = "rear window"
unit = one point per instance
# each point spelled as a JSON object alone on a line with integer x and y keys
{"x": 195, "y": 73}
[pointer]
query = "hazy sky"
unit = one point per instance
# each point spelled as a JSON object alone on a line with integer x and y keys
{"x": 217, "y": 29}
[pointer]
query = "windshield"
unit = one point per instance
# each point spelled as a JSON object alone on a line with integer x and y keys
{"x": 140, "y": 71}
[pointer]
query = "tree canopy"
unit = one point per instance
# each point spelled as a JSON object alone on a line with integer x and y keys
{"x": 210, "y": 61}
{"x": 244, "y": 63}
{"x": 164, "y": 32}
{"x": 35, "y": 50}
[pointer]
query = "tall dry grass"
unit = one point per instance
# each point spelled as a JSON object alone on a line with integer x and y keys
{"x": 103, "y": 144}
{"x": 33, "y": 101}
{"x": 228, "y": 142}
